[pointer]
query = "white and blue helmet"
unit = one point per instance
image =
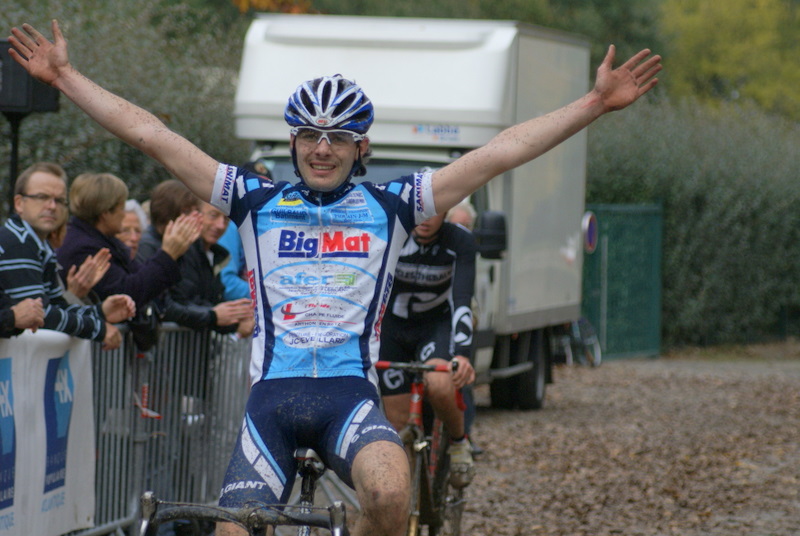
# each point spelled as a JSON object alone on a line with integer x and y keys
{"x": 330, "y": 102}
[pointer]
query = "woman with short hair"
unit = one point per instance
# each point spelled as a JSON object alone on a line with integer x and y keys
{"x": 97, "y": 203}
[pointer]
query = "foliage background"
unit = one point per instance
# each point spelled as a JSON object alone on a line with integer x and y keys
{"x": 716, "y": 143}
{"x": 176, "y": 59}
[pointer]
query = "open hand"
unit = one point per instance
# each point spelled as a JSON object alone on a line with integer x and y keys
{"x": 620, "y": 87}
{"x": 232, "y": 312}
{"x": 44, "y": 60}
{"x": 81, "y": 280}
{"x": 181, "y": 233}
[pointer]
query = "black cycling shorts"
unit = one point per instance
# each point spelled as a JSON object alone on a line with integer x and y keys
{"x": 411, "y": 340}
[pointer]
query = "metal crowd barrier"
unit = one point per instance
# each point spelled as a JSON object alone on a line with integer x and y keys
{"x": 165, "y": 420}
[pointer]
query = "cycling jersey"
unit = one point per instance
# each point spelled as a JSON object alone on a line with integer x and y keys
{"x": 320, "y": 267}
{"x": 429, "y": 313}
{"x": 437, "y": 280}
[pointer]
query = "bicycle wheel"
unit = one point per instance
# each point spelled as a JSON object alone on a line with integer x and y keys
{"x": 448, "y": 502}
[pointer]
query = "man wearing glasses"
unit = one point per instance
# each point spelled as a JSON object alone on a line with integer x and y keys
{"x": 28, "y": 266}
{"x": 321, "y": 257}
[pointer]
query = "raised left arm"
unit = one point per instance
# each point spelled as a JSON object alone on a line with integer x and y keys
{"x": 614, "y": 89}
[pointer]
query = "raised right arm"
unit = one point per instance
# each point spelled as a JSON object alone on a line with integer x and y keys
{"x": 49, "y": 62}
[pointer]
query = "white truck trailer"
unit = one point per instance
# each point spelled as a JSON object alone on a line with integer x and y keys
{"x": 441, "y": 88}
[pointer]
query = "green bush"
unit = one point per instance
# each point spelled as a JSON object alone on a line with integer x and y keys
{"x": 728, "y": 181}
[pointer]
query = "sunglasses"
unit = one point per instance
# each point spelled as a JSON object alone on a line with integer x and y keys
{"x": 337, "y": 138}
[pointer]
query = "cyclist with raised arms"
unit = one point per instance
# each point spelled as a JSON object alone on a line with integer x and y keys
{"x": 321, "y": 257}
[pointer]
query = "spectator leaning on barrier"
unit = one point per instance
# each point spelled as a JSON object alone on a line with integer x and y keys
{"x": 28, "y": 266}
{"x": 14, "y": 319}
{"x": 97, "y": 203}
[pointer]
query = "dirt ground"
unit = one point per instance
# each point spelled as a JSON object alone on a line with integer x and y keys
{"x": 697, "y": 443}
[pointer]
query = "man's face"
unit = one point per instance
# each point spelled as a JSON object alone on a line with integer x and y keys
{"x": 42, "y": 202}
{"x": 426, "y": 231}
{"x": 325, "y": 162}
{"x": 214, "y": 224}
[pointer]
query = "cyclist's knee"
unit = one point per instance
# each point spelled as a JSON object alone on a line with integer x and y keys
{"x": 385, "y": 510}
{"x": 384, "y": 504}
{"x": 439, "y": 387}
{"x": 396, "y": 409}
{"x": 381, "y": 477}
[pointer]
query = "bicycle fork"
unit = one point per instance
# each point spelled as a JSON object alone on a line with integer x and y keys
{"x": 413, "y": 437}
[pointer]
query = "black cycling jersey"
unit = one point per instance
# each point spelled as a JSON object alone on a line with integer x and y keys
{"x": 437, "y": 280}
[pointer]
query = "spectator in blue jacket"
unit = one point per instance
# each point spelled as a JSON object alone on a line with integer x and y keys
{"x": 234, "y": 273}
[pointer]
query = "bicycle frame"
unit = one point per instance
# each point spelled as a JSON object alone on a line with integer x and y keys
{"x": 427, "y": 454}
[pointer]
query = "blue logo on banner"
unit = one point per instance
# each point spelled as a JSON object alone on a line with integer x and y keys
{"x": 58, "y": 389}
{"x": 8, "y": 441}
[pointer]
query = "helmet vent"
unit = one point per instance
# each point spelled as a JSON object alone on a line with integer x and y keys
{"x": 343, "y": 106}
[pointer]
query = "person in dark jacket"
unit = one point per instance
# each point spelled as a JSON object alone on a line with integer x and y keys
{"x": 201, "y": 284}
{"x": 97, "y": 202}
{"x": 197, "y": 300}
{"x": 169, "y": 200}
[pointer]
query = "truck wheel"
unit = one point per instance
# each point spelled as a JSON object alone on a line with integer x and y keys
{"x": 502, "y": 393}
{"x": 532, "y": 383}
{"x": 503, "y": 390}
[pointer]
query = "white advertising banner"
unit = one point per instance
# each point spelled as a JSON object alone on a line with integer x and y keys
{"x": 47, "y": 443}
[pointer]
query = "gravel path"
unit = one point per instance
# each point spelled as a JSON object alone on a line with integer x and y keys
{"x": 704, "y": 444}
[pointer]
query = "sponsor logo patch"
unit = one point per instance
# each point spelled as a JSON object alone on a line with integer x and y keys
{"x": 303, "y": 279}
{"x": 350, "y": 216}
{"x": 335, "y": 244}
{"x": 309, "y": 338}
{"x": 290, "y": 215}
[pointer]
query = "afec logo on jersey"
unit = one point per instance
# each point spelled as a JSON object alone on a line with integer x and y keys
{"x": 326, "y": 245}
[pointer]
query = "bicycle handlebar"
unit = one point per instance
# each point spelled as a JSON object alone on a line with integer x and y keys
{"x": 418, "y": 366}
{"x": 156, "y": 511}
